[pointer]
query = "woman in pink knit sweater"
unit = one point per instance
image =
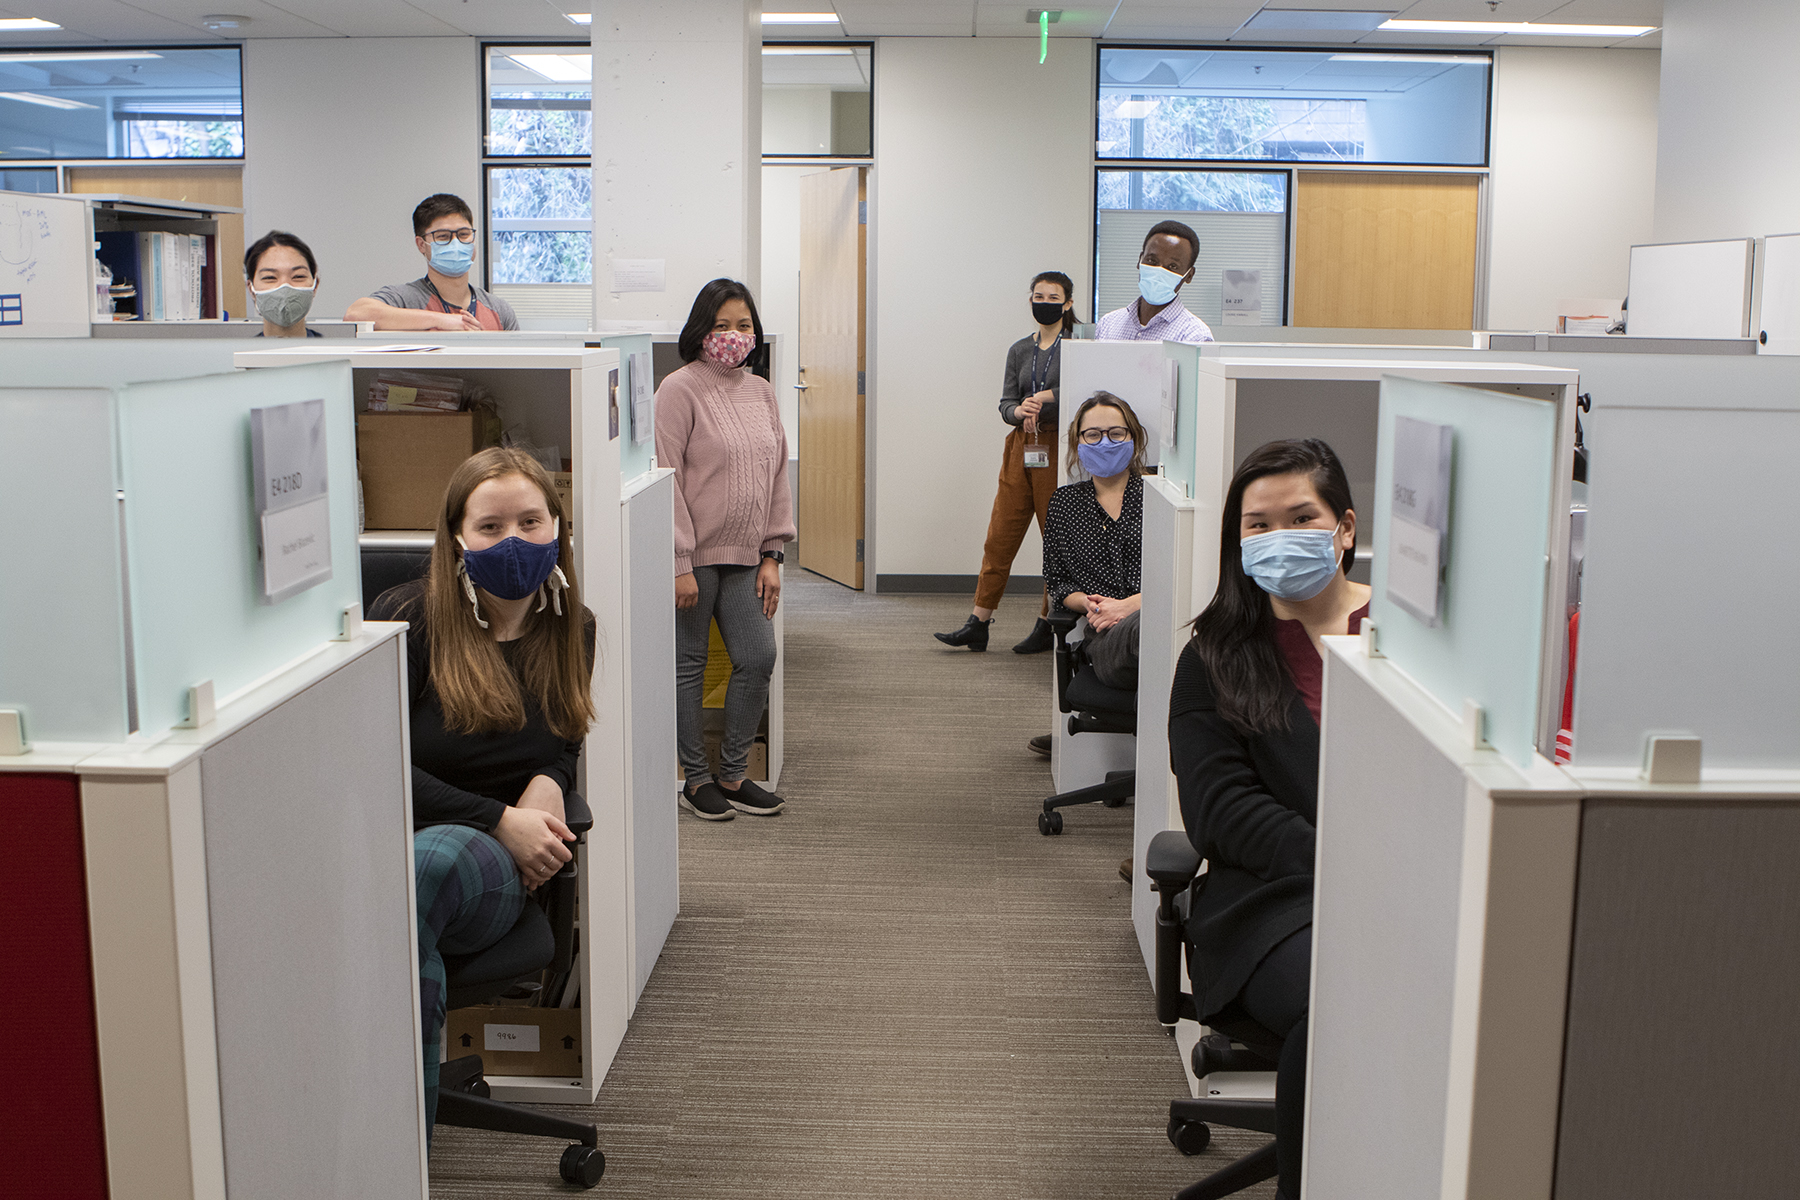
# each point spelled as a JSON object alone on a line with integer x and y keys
{"x": 718, "y": 425}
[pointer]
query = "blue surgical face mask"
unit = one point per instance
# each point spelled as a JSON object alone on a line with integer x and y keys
{"x": 1293, "y": 564}
{"x": 512, "y": 568}
{"x": 453, "y": 258}
{"x": 1106, "y": 459}
{"x": 1157, "y": 285}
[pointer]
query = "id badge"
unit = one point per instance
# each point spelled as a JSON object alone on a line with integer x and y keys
{"x": 1037, "y": 456}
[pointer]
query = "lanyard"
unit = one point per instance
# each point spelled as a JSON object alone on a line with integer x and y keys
{"x": 474, "y": 304}
{"x": 1038, "y": 381}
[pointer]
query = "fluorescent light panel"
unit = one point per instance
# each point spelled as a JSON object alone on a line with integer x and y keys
{"x": 806, "y": 18}
{"x": 1525, "y": 27}
{"x": 25, "y": 24}
{"x": 558, "y": 68}
{"x": 843, "y": 51}
{"x": 580, "y": 18}
{"x": 76, "y": 55}
{"x": 1136, "y": 110}
{"x": 46, "y": 101}
{"x": 1412, "y": 58}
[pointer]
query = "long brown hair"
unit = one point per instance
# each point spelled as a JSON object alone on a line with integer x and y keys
{"x": 478, "y": 693}
{"x": 1107, "y": 399}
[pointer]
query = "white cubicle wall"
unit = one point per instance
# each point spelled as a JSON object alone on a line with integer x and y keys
{"x": 1778, "y": 294}
{"x": 1691, "y": 289}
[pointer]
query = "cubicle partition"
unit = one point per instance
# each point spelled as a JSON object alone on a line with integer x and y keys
{"x": 237, "y": 770}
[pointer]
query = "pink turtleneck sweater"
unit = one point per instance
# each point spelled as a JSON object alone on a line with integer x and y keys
{"x": 720, "y": 428}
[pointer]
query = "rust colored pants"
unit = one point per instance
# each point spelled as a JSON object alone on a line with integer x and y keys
{"x": 1023, "y": 493}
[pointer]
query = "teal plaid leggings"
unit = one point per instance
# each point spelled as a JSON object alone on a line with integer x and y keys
{"x": 470, "y": 895}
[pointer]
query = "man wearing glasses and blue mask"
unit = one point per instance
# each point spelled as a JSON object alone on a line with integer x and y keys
{"x": 1165, "y": 263}
{"x": 445, "y": 298}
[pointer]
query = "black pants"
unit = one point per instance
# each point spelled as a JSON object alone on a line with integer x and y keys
{"x": 1275, "y": 997}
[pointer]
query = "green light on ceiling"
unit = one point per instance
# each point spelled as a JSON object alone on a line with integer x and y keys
{"x": 1043, "y": 35}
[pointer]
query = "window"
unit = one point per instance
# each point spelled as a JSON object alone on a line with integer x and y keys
{"x": 538, "y": 141}
{"x": 163, "y": 102}
{"x": 816, "y": 100}
{"x": 1293, "y": 106}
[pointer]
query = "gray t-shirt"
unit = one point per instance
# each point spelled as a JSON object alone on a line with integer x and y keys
{"x": 418, "y": 294}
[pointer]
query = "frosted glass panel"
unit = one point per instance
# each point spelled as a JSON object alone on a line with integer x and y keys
{"x": 105, "y": 362}
{"x": 634, "y": 460}
{"x": 1488, "y": 646}
{"x": 1674, "y": 637}
{"x": 191, "y": 528}
{"x": 1178, "y": 463}
{"x": 62, "y": 633}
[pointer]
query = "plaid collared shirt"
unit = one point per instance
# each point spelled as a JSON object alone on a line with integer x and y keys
{"x": 1173, "y": 324}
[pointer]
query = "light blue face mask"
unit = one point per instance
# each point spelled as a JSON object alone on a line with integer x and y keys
{"x": 454, "y": 258}
{"x": 1292, "y": 564}
{"x": 1156, "y": 285}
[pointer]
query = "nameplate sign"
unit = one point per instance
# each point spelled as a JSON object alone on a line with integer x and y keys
{"x": 293, "y": 509}
{"x": 1419, "y": 519}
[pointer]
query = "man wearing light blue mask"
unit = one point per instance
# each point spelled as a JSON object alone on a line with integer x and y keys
{"x": 446, "y": 298}
{"x": 1165, "y": 263}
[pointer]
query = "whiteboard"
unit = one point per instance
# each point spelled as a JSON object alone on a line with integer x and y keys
{"x": 1690, "y": 290}
{"x": 45, "y": 277}
{"x": 1778, "y": 299}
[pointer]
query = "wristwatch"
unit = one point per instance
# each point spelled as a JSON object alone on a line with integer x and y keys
{"x": 777, "y": 555}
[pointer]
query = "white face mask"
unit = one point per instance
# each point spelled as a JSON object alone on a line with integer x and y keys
{"x": 285, "y": 304}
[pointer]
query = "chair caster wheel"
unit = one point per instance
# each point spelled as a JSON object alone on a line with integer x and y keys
{"x": 1189, "y": 1137}
{"x": 584, "y": 1165}
{"x": 1049, "y": 823}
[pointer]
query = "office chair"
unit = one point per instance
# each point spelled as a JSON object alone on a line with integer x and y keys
{"x": 1236, "y": 1042}
{"x": 542, "y": 939}
{"x": 1093, "y": 708}
{"x": 383, "y": 569}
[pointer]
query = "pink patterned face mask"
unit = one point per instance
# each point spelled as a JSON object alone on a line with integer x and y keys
{"x": 727, "y": 347}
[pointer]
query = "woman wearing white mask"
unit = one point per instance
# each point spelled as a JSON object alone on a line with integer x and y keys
{"x": 1244, "y": 746}
{"x": 283, "y": 278}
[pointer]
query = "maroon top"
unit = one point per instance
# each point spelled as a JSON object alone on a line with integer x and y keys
{"x": 1303, "y": 662}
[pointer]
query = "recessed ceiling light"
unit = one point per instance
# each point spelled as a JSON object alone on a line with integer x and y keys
{"x": 558, "y": 68}
{"x": 1136, "y": 110}
{"x": 224, "y": 22}
{"x": 809, "y": 50}
{"x": 46, "y": 101}
{"x": 580, "y": 18}
{"x": 25, "y": 24}
{"x": 811, "y": 18}
{"x": 1411, "y": 58}
{"x": 1539, "y": 28}
{"x": 76, "y": 55}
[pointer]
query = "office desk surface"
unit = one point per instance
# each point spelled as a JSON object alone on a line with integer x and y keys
{"x": 449, "y": 357}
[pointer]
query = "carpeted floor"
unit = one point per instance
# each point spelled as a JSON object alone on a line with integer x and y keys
{"x": 898, "y": 988}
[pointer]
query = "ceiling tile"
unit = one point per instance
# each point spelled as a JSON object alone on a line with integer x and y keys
{"x": 266, "y": 20}
{"x": 1608, "y": 12}
{"x": 493, "y": 18}
{"x": 103, "y": 20}
{"x": 1475, "y": 10}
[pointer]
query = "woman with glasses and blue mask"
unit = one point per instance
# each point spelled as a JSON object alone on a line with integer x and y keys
{"x": 1244, "y": 745}
{"x": 446, "y": 297}
{"x": 1093, "y": 537}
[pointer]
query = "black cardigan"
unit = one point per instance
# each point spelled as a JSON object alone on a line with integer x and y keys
{"x": 469, "y": 778}
{"x": 1249, "y": 803}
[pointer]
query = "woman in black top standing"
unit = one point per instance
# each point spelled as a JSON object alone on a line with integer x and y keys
{"x": 499, "y": 657}
{"x": 1028, "y": 393}
{"x": 1244, "y": 745}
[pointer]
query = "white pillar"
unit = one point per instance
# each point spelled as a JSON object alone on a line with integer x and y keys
{"x": 677, "y": 149}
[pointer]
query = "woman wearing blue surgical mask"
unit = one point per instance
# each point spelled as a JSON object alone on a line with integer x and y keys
{"x": 499, "y": 655}
{"x": 282, "y": 279}
{"x": 1244, "y": 744}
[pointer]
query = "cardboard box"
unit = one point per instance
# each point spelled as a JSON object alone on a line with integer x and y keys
{"x": 565, "y": 491}
{"x": 517, "y": 1040}
{"x": 406, "y": 460}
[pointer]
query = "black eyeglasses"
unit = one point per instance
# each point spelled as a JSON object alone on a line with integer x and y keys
{"x": 442, "y": 237}
{"x": 1118, "y": 433}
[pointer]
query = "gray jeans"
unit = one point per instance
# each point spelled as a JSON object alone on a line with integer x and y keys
{"x": 1114, "y": 654}
{"x": 727, "y": 595}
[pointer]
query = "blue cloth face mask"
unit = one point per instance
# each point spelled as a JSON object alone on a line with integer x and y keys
{"x": 453, "y": 258}
{"x": 1156, "y": 285}
{"x": 1107, "y": 459}
{"x": 1292, "y": 564}
{"x": 513, "y": 568}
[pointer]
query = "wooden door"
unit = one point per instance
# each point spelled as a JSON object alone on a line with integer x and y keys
{"x": 833, "y": 251}
{"x": 200, "y": 185}
{"x": 1384, "y": 251}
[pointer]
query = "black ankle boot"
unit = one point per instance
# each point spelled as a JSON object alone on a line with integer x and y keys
{"x": 1038, "y": 640}
{"x": 973, "y": 634}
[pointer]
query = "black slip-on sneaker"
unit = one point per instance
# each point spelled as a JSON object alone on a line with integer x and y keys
{"x": 758, "y": 802}
{"x": 1040, "y": 745}
{"x": 707, "y": 802}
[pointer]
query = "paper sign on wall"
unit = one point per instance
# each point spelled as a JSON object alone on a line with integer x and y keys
{"x": 293, "y": 510}
{"x": 643, "y": 403}
{"x": 637, "y": 274}
{"x": 1241, "y": 297}
{"x": 1419, "y": 529}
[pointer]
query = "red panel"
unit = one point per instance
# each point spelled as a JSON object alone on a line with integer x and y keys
{"x": 54, "y": 1144}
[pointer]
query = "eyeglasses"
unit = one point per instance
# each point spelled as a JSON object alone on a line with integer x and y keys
{"x": 1118, "y": 433}
{"x": 442, "y": 237}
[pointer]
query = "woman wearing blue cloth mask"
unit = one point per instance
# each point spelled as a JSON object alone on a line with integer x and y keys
{"x": 1094, "y": 534}
{"x": 1244, "y": 744}
{"x": 499, "y": 656}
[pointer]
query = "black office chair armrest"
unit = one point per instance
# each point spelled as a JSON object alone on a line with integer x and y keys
{"x": 1172, "y": 861}
{"x": 576, "y": 813}
{"x": 558, "y": 892}
{"x": 1061, "y": 620}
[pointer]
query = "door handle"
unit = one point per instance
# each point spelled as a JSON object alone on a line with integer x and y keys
{"x": 800, "y": 387}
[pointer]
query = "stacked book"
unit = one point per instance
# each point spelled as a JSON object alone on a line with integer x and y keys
{"x": 167, "y": 269}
